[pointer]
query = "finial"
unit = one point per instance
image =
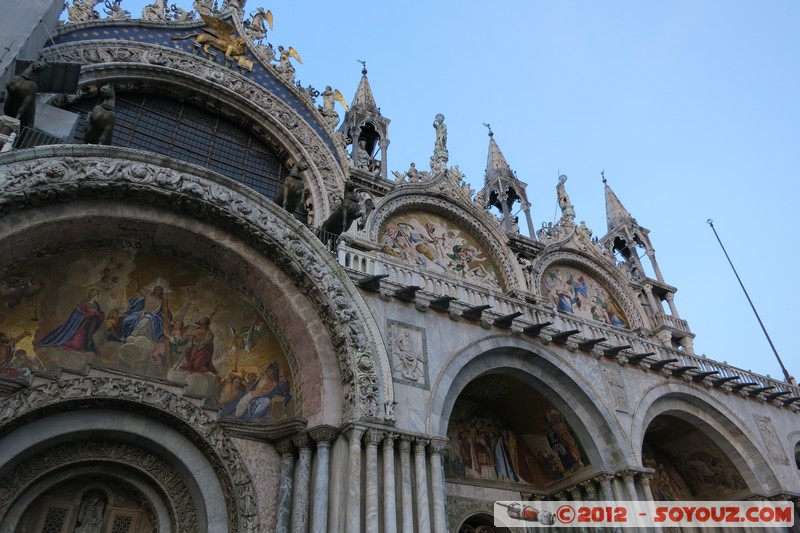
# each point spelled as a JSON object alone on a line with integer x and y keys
{"x": 491, "y": 134}
{"x": 363, "y": 67}
{"x": 603, "y": 175}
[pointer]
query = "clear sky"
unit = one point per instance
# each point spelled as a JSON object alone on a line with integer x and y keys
{"x": 690, "y": 106}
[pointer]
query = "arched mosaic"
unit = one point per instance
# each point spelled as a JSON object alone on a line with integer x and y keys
{"x": 147, "y": 314}
{"x": 573, "y": 291}
{"x": 429, "y": 241}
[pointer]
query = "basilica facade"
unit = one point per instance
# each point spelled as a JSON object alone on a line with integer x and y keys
{"x": 222, "y": 310}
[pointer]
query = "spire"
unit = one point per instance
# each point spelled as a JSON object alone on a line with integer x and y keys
{"x": 496, "y": 164}
{"x": 615, "y": 211}
{"x": 363, "y": 97}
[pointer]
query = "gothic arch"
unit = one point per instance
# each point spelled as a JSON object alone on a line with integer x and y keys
{"x": 578, "y": 401}
{"x": 611, "y": 279}
{"x": 190, "y": 78}
{"x": 716, "y": 421}
{"x": 199, "y": 194}
{"x": 427, "y": 199}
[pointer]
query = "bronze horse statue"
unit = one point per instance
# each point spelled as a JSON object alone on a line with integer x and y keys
{"x": 102, "y": 118}
{"x": 291, "y": 193}
{"x": 21, "y": 97}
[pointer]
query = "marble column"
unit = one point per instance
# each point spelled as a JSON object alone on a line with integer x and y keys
{"x": 319, "y": 516}
{"x": 608, "y": 493}
{"x": 285, "y": 448}
{"x": 644, "y": 481}
{"x": 302, "y": 483}
{"x": 630, "y": 486}
{"x": 405, "y": 494}
{"x": 389, "y": 498}
{"x": 576, "y": 496}
{"x": 437, "y": 448}
{"x": 372, "y": 438}
{"x": 354, "y": 481}
{"x": 421, "y": 478}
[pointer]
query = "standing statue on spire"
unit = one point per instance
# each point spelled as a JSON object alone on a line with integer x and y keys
{"x": 440, "y": 154}
{"x": 567, "y": 211}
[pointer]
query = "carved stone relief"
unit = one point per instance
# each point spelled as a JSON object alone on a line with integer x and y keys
{"x": 774, "y": 447}
{"x": 409, "y": 352}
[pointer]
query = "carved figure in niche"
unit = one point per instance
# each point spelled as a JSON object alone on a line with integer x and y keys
{"x": 221, "y": 36}
{"x": 21, "y": 94}
{"x": 362, "y": 156}
{"x": 113, "y": 9}
{"x": 90, "y": 516}
{"x": 410, "y": 364}
{"x": 262, "y": 391}
{"x": 77, "y": 333}
{"x": 102, "y": 118}
{"x": 293, "y": 189}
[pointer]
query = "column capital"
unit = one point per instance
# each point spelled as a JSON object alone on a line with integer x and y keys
{"x": 324, "y": 435}
{"x": 389, "y": 438}
{"x": 302, "y": 441}
{"x": 354, "y": 433}
{"x": 284, "y": 447}
{"x": 373, "y": 437}
{"x": 605, "y": 479}
{"x": 405, "y": 443}
{"x": 420, "y": 445}
{"x": 627, "y": 476}
{"x": 439, "y": 446}
{"x": 645, "y": 477}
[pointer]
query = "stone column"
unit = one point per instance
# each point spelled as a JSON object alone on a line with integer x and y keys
{"x": 384, "y": 144}
{"x": 526, "y": 208}
{"x": 644, "y": 481}
{"x": 648, "y": 291}
{"x": 437, "y": 448}
{"x": 302, "y": 484}
{"x": 405, "y": 493}
{"x": 319, "y": 516}
{"x": 285, "y": 486}
{"x": 628, "y": 478}
{"x": 575, "y": 494}
{"x": 651, "y": 254}
{"x": 608, "y": 493}
{"x": 421, "y": 476}
{"x": 354, "y": 481}
{"x": 372, "y": 438}
{"x": 389, "y": 498}
{"x": 671, "y": 303}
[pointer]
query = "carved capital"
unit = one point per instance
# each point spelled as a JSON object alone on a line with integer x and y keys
{"x": 324, "y": 435}
{"x": 285, "y": 447}
{"x": 302, "y": 441}
{"x": 354, "y": 434}
{"x": 439, "y": 446}
{"x": 373, "y": 437}
{"x": 420, "y": 445}
{"x": 388, "y": 439}
{"x": 405, "y": 443}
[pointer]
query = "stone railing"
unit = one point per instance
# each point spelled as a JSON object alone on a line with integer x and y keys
{"x": 687, "y": 366}
{"x": 663, "y": 319}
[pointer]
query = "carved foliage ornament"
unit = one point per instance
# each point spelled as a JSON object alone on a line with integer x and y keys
{"x": 268, "y": 107}
{"x": 40, "y": 181}
{"x": 227, "y": 462}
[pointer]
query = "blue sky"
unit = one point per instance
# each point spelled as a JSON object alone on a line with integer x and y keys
{"x": 691, "y": 108}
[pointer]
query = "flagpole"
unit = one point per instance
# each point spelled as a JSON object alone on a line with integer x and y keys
{"x": 789, "y": 379}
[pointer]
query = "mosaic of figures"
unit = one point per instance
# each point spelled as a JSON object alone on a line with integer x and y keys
{"x": 429, "y": 241}
{"x": 488, "y": 447}
{"x": 145, "y": 314}
{"x": 701, "y": 473}
{"x": 575, "y": 292}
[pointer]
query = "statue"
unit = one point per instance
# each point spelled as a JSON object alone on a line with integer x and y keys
{"x": 413, "y": 173}
{"x": 285, "y": 68}
{"x": 181, "y": 15}
{"x": 293, "y": 188}
{"x": 362, "y": 156}
{"x": 256, "y": 27}
{"x": 91, "y": 517}
{"x": 352, "y": 207}
{"x": 563, "y": 199}
{"x": 221, "y": 36}
{"x": 203, "y": 7}
{"x": 82, "y": 10}
{"x": 157, "y": 11}
{"x": 102, "y": 118}
{"x": 21, "y": 94}
{"x": 114, "y": 10}
{"x": 441, "y": 134}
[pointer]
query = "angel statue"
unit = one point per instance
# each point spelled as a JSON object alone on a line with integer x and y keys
{"x": 285, "y": 68}
{"x": 329, "y": 98}
{"x": 256, "y": 27}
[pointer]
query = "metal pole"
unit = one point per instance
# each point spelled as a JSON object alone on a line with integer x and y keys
{"x": 789, "y": 378}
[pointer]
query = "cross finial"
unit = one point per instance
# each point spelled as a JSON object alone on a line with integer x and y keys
{"x": 603, "y": 175}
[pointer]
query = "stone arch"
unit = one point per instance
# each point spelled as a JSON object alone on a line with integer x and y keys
{"x": 479, "y": 224}
{"x": 135, "y": 413}
{"x": 188, "y": 77}
{"x": 716, "y": 421}
{"x": 76, "y": 175}
{"x": 611, "y": 279}
{"x": 556, "y": 379}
